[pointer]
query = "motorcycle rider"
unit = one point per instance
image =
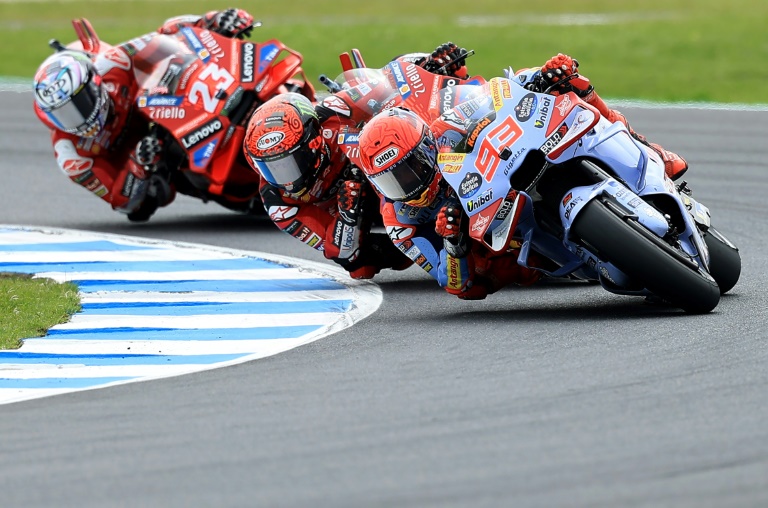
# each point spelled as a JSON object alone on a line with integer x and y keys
{"x": 309, "y": 187}
{"x": 421, "y": 212}
{"x": 88, "y": 101}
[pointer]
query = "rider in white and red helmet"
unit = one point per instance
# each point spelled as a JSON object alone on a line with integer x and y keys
{"x": 88, "y": 100}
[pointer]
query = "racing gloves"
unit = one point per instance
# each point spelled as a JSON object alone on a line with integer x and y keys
{"x": 147, "y": 153}
{"x": 560, "y": 75}
{"x": 146, "y": 186}
{"x": 448, "y": 60}
{"x": 448, "y": 225}
{"x": 231, "y": 23}
{"x": 448, "y": 222}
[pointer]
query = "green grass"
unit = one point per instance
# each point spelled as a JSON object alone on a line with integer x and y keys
{"x": 674, "y": 50}
{"x": 29, "y": 307}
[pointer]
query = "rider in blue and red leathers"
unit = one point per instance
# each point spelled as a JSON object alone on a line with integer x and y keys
{"x": 422, "y": 214}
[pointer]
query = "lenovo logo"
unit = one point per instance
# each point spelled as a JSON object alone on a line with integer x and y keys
{"x": 202, "y": 133}
{"x": 246, "y": 63}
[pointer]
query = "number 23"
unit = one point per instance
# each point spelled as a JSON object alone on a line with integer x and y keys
{"x": 221, "y": 79}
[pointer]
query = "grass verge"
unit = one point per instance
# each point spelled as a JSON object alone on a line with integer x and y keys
{"x": 659, "y": 50}
{"x": 30, "y": 306}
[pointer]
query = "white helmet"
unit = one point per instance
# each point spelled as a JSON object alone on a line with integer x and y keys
{"x": 69, "y": 94}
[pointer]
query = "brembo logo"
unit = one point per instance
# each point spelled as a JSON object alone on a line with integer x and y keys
{"x": 386, "y": 156}
{"x": 269, "y": 140}
{"x": 202, "y": 133}
{"x": 246, "y": 62}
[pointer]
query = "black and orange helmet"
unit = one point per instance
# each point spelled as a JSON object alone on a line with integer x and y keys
{"x": 398, "y": 152}
{"x": 283, "y": 142}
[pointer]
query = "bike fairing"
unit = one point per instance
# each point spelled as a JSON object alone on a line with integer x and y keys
{"x": 565, "y": 128}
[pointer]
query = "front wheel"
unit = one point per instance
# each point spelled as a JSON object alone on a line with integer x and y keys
{"x": 724, "y": 260}
{"x": 645, "y": 258}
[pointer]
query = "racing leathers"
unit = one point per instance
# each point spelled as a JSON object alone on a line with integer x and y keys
{"x": 337, "y": 211}
{"x": 110, "y": 164}
{"x": 465, "y": 268}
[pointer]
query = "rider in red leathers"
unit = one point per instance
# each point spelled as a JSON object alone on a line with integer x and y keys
{"x": 310, "y": 189}
{"x": 88, "y": 101}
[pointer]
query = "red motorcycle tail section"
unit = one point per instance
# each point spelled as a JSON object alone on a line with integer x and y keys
{"x": 87, "y": 35}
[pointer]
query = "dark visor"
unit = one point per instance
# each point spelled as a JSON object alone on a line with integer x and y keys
{"x": 287, "y": 170}
{"x": 80, "y": 111}
{"x": 408, "y": 177}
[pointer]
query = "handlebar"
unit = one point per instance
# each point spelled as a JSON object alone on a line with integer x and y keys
{"x": 462, "y": 57}
{"x": 561, "y": 82}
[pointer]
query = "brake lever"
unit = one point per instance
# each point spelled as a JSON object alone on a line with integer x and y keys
{"x": 453, "y": 62}
{"x": 561, "y": 82}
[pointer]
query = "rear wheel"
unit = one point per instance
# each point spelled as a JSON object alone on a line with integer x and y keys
{"x": 645, "y": 258}
{"x": 724, "y": 260}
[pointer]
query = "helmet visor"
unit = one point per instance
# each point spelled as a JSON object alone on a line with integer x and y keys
{"x": 82, "y": 112}
{"x": 287, "y": 170}
{"x": 410, "y": 176}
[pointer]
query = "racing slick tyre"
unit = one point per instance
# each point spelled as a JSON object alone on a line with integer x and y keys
{"x": 645, "y": 258}
{"x": 724, "y": 260}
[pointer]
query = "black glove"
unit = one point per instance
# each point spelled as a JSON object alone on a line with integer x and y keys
{"x": 448, "y": 53}
{"x": 448, "y": 222}
{"x": 147, "y": 153}
{"x": 233, "y": 22}
{"x": 350, "y": 199}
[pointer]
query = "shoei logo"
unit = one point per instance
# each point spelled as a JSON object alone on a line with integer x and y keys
{"x": 269, "y": 140}
{"x": 386, "y": 157}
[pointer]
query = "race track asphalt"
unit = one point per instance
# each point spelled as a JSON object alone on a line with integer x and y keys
{"x": 555, "y": 395}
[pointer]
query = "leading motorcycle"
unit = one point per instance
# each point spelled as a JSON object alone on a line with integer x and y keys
{"x": 197, "y": 90}
{"x": 549, "y": 175}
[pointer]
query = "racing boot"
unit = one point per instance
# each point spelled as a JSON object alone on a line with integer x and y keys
{"x": 674, "y": 165}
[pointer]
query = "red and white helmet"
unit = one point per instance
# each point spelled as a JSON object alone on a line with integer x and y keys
{"x": 284, "y": 144}
{"x": 398, "y": 154}
{"x": 69, "y": 94}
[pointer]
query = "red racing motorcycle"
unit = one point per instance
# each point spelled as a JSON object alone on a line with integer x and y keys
{"x": 197, "y": 90}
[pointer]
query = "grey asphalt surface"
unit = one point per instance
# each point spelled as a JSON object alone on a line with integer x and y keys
{"x": 557, "y": 395}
